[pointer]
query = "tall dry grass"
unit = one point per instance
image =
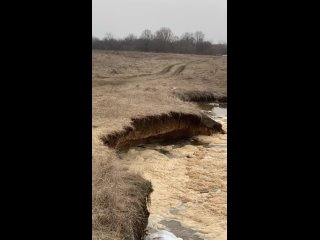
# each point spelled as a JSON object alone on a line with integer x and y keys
{"x": 120, "y": 198}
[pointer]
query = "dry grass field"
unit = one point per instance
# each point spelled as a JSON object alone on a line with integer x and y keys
{"x": 138, "y": 97}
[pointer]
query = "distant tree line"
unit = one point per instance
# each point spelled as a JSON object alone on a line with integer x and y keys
{"x": 162, "y": 40}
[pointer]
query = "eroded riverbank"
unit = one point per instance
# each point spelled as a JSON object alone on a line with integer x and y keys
{"x": 189, "y": 179}
{"x": 133, "y": 86}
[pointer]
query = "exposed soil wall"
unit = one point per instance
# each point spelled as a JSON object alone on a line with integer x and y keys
{"x": 161, "y": 127}
{"x": 200, "y": 96}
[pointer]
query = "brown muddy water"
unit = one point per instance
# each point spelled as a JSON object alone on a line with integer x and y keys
{"x": 189, "y": 179}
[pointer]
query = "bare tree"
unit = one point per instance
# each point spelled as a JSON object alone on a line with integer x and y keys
{"x": 162, "y": 41}
{"x": 175, "y": 38}
{"x": 199, "y": 36}
{"x": 146, "y": 34}
{"x": 108, "y": 36}
{"x": 188, "y": 37}
{"x": 186, "y": 44}
{"x": 130, "y": 37}
{"x": 164, "y": 34}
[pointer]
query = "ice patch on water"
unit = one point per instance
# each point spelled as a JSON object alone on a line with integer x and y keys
{"x": 162, "y": 235}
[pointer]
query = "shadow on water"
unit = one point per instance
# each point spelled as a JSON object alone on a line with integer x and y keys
{"x": 161, "y": 146}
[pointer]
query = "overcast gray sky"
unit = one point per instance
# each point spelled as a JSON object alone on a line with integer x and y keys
{"x": 121, "y": 17}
